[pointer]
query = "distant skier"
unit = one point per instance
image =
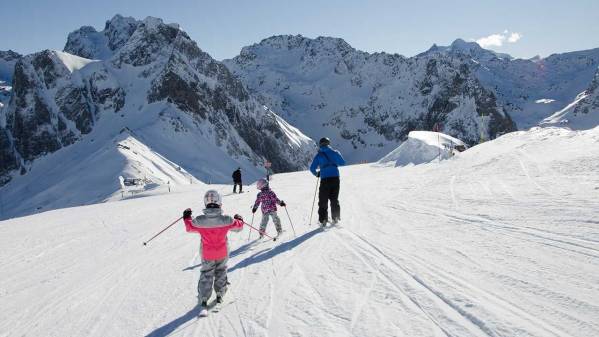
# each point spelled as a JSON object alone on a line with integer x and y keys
{"x": 268, "y": 199}
{"x": 269, "y": 173}
{"x": 212, "y": 227}
{"x": 327, "y": 159}
{"x": 237, "y": 180}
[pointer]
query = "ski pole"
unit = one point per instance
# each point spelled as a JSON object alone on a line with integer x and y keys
{"x": 314, "y": 201}
{"x": 250, "y": 232}
{"x": 167, "y": 227}
{"x": 257, "y": 230}
{"x": 291, "y": 222}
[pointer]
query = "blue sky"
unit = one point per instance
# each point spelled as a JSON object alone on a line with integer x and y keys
{"x": 222, "y": 27}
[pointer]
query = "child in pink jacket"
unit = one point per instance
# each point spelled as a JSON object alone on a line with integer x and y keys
{"x": 213, "y": 227}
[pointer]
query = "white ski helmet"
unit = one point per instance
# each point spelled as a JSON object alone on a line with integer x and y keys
{"x": 212, "y": 197}
{"x": 262, "y": 184}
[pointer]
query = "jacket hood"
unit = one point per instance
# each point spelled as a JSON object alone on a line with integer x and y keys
{"x": 213, "y": 212}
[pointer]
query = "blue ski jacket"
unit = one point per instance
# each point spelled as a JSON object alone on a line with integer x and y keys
{"x": 328, "y": 160}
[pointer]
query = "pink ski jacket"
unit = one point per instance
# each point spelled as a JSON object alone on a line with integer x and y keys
{"x": 213, "y": 227}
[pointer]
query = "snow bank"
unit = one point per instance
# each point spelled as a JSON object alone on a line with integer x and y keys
{"x": 422, "y": 147}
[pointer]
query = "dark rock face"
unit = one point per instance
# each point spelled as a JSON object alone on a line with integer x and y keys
{"x": 226, "y": 104}
{"x": 8, "y": 59}
{"x": 7, "y": 157}
{"x": 590, "y": 104}
{"x": 31, "y": 122}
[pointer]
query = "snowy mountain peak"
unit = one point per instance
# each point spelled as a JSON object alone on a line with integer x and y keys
{"x": 461, "y": 45}
{"x": 313, "y": 47}
{"x": 466, "y": 48}
{"x": 87, "y": 42}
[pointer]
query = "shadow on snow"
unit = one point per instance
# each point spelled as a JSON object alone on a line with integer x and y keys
{"x": 266, "y": 254}
{"x": 168, "y": 328}
{"x": 258, "y": 257}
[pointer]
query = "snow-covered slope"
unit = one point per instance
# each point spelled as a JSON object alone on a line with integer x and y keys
{"x": 532, "y": 90}
{"x": 582, "y": 113}
{"x": 151, "y": 78}
{"x": 88, "y": 172}
{"x": 367, "y": 103}
{"x": 501, "y": 241}
{"x": 423, "y": 147}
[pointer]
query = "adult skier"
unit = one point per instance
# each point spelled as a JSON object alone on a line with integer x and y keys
{"x": 327, "y": 160}
{"x": 212, "y": 227}
{"x": 237, "y": 180}
{"x": 269, "y": 202}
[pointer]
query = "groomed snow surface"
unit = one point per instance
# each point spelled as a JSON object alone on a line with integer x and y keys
{"x": 502, "y": 240}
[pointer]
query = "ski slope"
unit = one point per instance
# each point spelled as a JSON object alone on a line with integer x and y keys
{"x": 500, "y": 240}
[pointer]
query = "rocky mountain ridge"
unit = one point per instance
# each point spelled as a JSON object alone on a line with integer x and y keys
{"x": 368, "y": 102}
{"x": 151, "y": 78}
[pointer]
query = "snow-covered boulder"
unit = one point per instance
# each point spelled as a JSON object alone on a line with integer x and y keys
{"x": 423, "y": 147}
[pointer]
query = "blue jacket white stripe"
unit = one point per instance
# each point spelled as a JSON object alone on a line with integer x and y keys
{"x": 328, "y": 160}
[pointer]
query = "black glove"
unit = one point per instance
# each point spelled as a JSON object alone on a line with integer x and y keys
{"x": 317, "y": 174}
{"x": 254, "y": 209}
{"x": 238, "y": 217}
{"x": 283, "y": 204}
{"x": 187, "y": 214}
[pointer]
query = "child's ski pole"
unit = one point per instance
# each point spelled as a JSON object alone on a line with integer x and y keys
{"x": 167, "y": 227}
{"x": 291, "y": 222}
{"x": 250, "y": 232}
{"x": 257, "y": 230}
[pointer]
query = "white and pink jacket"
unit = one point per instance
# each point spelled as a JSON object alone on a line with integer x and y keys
{"x": 213, "y": 227}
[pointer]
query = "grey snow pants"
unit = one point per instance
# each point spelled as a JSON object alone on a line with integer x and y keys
{"x": 275, "y": 219}
{"x": 212, "y": 274}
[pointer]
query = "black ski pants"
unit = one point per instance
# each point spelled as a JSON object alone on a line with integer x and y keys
{"x": 235, "y": 184}
{"x": 329, "y": 190}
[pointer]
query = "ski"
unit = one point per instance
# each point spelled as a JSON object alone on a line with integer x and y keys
{"x": 219, "y": 306}
{"x": 204, "y": 310}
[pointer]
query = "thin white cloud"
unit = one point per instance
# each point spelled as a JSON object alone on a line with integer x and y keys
{"x": 494, "y": 40}
{"x": 514, "y": 37}
{"x": 498, "y": 39}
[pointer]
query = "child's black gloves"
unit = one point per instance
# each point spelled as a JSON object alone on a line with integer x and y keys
{"x": 283, "y": 204}
{"x": 254, "y": 210}
{"x": 238, "y": 217}
{"x": 187, "y": 214}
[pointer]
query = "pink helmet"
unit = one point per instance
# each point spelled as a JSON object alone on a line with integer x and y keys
{"x": 262, "y": 184}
